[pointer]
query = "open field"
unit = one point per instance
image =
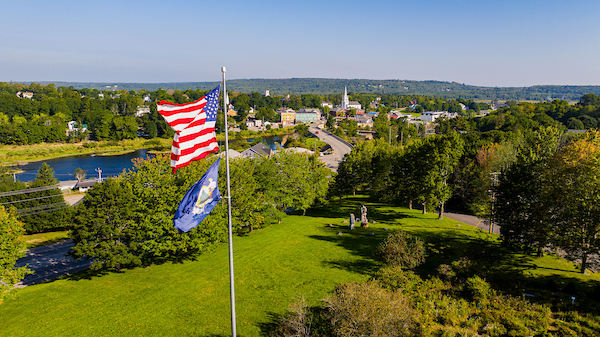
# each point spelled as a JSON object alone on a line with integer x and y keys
{"x": 302, "y": 256}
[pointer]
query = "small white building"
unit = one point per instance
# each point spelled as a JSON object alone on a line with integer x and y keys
{"x": 142, "y": 110}
{"x": 431, "y": 116}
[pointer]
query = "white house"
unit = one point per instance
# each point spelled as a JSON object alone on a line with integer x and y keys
{"x": 431, "y": 116}
{"x": 142, "y": 110}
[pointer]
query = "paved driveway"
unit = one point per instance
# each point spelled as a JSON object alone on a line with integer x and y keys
{"x": 50, "y": 262}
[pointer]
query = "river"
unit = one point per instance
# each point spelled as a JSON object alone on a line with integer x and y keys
{"x": 65, "y": 167}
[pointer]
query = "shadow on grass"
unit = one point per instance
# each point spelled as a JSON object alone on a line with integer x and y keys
{"x": 89, "y": 274}
{"x": 360, "y": 242}
{"x": 271, "y": 324}
{"x": 507, "y": 271}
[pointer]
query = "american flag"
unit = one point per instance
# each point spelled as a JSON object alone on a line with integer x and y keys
{"x": 194, "y": 125}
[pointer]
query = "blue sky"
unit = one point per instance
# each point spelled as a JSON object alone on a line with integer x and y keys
{"x": 484, "y": 42}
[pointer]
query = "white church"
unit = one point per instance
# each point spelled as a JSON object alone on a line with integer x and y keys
{"x": 347, "y": 104}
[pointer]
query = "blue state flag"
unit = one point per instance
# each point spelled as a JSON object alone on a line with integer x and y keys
{"x": 199, "y": 201}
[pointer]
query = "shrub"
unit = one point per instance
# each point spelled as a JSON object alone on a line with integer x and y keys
{"x": 296, "y": 322}
{"x": 477, "y": 288}
{"x": 395, "y": 278}
{"x": 402, "y": 250}
{"x": 367, "y": 309}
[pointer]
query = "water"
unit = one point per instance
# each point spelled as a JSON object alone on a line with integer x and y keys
{"x": 65, "y": 167}
{"x": 110, "y": 165}
{"x": 271, "y": 141}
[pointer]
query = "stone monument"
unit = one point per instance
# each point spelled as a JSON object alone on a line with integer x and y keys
{"x": 352, "y": 221}
{"x": 363, "y": 216}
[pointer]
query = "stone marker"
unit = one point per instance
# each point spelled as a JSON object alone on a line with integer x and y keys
{"x": 352, "y": 221}
{"x": 364, "y": 222}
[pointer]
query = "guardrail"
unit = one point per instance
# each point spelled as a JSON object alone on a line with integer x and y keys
{"x": 336, "y": 137}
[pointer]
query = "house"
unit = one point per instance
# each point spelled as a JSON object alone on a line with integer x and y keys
{"x": 327, "y": 104}
{"x": 364, "y": 121}
{"x": 231, "y": 111}
{"x": 25, "y": 94}
{"x": 67, "y": 185}
{"x": 431, "y": 116}
{"x": 72, "y": 128}
{"x": 308, "y": 116}
{"x": 338, "y": 112}
{"x": 142, "y": 110}
{"x": 259, "y": 149}
{"x": 288, "y": 116}
{"x": 85, "y": 185}
{"x": 233, "y": 154}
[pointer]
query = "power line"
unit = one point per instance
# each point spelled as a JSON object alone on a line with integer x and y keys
{"x": 35, "y": 208}
{"x": 17, "y": 201}
{"x": 44, "y": 211}
{"x": 28, "y": 190}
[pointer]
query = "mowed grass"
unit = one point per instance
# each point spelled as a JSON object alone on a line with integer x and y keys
{"x": 42, "y": 239}
{"x": 302, "y": 256}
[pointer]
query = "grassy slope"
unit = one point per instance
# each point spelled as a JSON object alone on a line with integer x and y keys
{"x": 301, "y": 256}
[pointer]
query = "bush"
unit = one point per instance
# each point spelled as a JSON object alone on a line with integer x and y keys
{"x": 395, "y": 278}
{"x": 367, "y": 309}
{"x": 477, "y": 288}
{"x": 402, "y": 250}
{"x": 296, "y": 322}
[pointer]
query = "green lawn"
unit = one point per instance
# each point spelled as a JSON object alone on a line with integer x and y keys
{"x": 41, "y": 239}
{"x": 302, "y": 256}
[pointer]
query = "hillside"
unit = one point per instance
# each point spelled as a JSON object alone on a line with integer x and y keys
{"x": 333, "y": 86}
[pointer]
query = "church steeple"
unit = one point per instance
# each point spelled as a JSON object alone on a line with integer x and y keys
{"x": 345, "y": 100}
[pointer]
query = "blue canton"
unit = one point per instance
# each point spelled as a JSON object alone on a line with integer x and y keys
{"x": 212, "y": 102}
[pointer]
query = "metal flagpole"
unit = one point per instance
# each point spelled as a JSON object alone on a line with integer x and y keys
{"x": 231, "y": 284}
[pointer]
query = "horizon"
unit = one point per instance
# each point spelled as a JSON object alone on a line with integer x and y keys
{"x": 45, "y": 82}
{"x": 507, "y": 44}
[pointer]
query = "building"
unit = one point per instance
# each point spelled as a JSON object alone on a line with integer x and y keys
{"x": 364, "y": 121}
{"x": 142, "y": 110}
{"x": 231, "y": 111}
{"x": 431, "y": 116}
{"x": 348, "y": 104}
{"x": 259, "y": 149}
{"x": 327, "y": 104}
{"x": 288, "y": 116}
{"x": 308, "y": 116}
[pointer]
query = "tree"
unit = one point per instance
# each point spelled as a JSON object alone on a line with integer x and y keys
{"x": 79, "y": 174}
{"x": 45, "y": 210}
{"x": 292, "y": 180}
{"x": 435, "y": 159}
{"x": 519, "y": 207}
{"x": 127, "y": 221}
{"x": 572, "y": 184}
{"x": 12, "y": 248}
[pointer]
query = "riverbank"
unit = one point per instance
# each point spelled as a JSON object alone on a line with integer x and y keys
{"x": 17, "y": 155}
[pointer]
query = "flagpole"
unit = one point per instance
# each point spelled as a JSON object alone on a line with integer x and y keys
{"x": 228, "y": 197}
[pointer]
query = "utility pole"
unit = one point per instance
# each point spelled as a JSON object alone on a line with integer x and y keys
{"x": 99, "y": 170}
{"x": 494, "y": 177}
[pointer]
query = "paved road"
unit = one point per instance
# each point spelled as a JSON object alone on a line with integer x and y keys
{"x": 339, "y": 148}
{"x": 472, "y": 221}
{"x": 50, "y": 262}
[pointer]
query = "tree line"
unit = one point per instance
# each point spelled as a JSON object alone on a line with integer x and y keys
{"x": 540, "y": 186}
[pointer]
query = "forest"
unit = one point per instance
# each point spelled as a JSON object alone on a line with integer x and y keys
{"x": 298, "y": 86}
{"x": 123, "y": 114}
